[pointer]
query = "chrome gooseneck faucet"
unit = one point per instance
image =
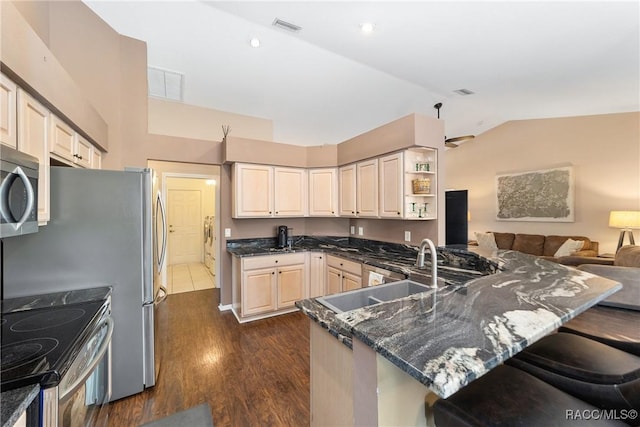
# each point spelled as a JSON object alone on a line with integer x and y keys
{"x": 434, "y": 260}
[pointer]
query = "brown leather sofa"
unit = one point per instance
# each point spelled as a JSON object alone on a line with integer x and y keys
{"x": 627, "y": 256}
{"x": 543, "y": 246}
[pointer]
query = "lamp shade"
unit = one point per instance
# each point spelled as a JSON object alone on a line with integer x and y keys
{"x": 624, "y": 219}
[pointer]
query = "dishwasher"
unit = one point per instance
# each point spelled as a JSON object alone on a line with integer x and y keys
{"x": 372, "y": 276}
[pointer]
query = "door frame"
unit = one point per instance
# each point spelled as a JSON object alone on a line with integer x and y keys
{"x": 165, "y": 194}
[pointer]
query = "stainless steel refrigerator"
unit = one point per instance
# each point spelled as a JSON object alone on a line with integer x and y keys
{"x": 102, "y": 232}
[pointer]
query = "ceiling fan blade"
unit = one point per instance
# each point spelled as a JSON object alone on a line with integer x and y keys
{"x": 450, "y": 144}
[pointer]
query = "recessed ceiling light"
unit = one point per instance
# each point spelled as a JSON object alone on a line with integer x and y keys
{"x": 366, "y": 27}
{"x": 255, "y": 42}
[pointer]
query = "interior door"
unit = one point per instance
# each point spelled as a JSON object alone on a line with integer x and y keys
{"x": 185, "y": 227}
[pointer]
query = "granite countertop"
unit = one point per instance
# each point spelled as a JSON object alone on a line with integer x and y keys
{"x": 455, "y": 266}
{"x": 14, "y": 402}
{"x": 448, "y": 338}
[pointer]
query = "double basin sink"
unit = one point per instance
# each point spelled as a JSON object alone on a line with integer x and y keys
{"x": 359, "y": 298}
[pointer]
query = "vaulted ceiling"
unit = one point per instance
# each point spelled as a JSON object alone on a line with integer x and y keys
{"x": 330, "y": 81}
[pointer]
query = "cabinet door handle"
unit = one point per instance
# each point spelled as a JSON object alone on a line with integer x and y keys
{"x": 273, "y": 272}
{"x": 277, "y": 212}
{"x": 357, "y": 212}
{"x": 269, "y": 212}
{"x": 279, "y": 272}
{"x": 276, "y": 261}
{"x": 352, "y": 212}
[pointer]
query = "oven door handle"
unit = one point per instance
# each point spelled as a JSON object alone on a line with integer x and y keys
{"x": 104, "y": 346}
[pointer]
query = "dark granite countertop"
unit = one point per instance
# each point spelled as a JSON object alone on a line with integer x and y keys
{"x": 15, "y": 402}
{"x": 448, "y": 338}
{"x": 455, "y": 266}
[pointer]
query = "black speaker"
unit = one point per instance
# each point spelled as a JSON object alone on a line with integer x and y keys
{"x": 456, "y": 222}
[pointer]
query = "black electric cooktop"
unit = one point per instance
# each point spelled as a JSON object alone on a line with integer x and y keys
{"x": 39, "y": 345}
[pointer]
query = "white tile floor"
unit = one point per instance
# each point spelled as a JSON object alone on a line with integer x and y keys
{"x": 189, "y": 277}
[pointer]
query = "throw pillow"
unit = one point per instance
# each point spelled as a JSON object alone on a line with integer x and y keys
{"x": 486, "y": 241}
{"x": 569, "y": 247}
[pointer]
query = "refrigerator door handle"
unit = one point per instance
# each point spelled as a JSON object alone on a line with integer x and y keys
{"x": 160, "y": 209}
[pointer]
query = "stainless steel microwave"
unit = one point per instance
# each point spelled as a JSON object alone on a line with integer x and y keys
{"x": 18, "y": 193}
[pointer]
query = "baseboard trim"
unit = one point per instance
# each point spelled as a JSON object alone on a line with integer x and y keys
{"x": 225, "y": 307}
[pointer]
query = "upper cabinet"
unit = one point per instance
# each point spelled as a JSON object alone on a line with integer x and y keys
{"x": 391, "y": 186}
{"x": 69, "y": 146}
{"x": 261, "y": 191}
{"x": 252, "y": 191}
{"x": 323, "y": 192}
{"x": 33, "y": 136}
{"x": 359, "y": 189}
{"x": 367, "y": 188}
{"x": 348, "y": 190}
{"x": 290, "y": 190}
{"x": 8, "y": 109}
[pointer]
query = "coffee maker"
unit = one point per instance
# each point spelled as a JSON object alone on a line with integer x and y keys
{"x": 282, "y": 236}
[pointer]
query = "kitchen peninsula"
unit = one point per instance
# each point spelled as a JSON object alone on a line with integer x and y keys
{"x": 489, "y": 306}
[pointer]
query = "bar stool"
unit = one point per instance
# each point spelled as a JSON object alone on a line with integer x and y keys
{"x": 507, "y": 397}
{"x": 591, "y": 371}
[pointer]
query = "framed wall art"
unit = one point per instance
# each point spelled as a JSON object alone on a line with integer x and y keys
{"x": 545, "y": 195}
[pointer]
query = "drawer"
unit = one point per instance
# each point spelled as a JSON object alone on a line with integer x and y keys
{"x": 266, "y": 261}
{"x": 346, "y": 265}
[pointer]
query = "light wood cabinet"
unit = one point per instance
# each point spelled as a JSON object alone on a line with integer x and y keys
{"x": 391, "y": 186}
{"x": 83, "y": 152}
{"x": 62, "y": 139}
{"x": 290, "y": 190}
{"x": 348, "y": 190}
{"x": 252, "y": 190}
{"x": 269, "y": 284}
{"x": 33, "y": 134}
{"x": 323, "y": 192}
{"x": 96, "y": 159}
{"x": 367, "y": 188}
{"x": 258, "y": 291}
{"x": 69, "y": 146}
{"x": 261, "y": 191}
{"x": 342, "y": 275}
{"x": 8, "y": 112}
{"x": 290, "y": 284}
{"x": 317, "y": 263}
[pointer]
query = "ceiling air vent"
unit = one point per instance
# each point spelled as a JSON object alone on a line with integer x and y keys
{"x": 165, "y": 84}
{"x": 286, "y": 25}
{"x": 464, "y": 92}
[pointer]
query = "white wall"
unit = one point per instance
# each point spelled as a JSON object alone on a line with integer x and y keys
{"x": 604, "y": 151}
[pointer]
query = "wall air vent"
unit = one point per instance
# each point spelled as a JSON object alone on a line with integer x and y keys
{"x": 286, "y": 25}
{"x": 165, "y": 84}
{"x": 464, "y": 92}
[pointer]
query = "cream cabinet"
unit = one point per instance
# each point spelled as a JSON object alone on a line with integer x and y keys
{"x": 261, "y": 191}
{"x": 8, "y": 112}
{"x": 391, "y": 186}
{"x": 33, "y": 135}
{"x": 252, "y": 190}
{"x": 342, "y": 275}
{"x": 96, "y": 159}
{"x": 323, "y": 192}
{"x": 69, "y": 146}
{"x": 367, "y": 188}
{"x": 348, "y": 190}
{"x": 359, "y": 189}
{"x": 270, "y": 284}
{"x": 317, "y": 264}
{"x": 290, "y": 192}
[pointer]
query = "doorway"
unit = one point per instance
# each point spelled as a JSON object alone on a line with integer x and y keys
{"x": 192, "y": 206}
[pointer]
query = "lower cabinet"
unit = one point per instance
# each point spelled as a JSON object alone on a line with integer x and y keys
{"x": 268, "y": 284}
{"x": 317, "y": 264}
{"x": 342, "y": 275}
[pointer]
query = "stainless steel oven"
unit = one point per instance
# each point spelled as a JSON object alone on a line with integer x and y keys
{"x": 81, "y": 396}
{"x": 18, "y": 192}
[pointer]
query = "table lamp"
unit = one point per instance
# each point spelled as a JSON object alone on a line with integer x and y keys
{"x": 625, "y": 221}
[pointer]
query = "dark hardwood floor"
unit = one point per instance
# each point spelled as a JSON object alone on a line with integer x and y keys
{"x": 255, "y": 374}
